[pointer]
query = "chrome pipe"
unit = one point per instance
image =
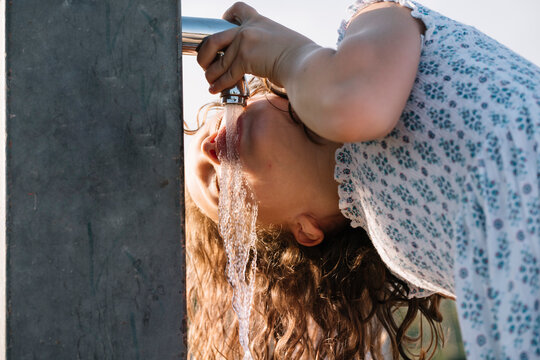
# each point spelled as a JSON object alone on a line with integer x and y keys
{"x": 195, "y": 29}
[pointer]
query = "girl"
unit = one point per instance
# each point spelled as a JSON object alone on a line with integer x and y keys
{"x": 330, "y": 301}
{"x": 430, "y": 129}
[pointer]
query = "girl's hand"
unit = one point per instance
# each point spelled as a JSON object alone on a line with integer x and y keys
{"x": 259, "y": 47}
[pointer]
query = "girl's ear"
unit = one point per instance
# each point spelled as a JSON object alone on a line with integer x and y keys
{"x": 307, "y": 231}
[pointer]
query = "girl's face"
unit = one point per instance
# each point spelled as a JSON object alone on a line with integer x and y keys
{"x": 277, "y": 157}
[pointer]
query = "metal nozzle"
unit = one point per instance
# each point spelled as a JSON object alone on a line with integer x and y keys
{"x": 238, "y": 94}
{"x": 194, "y": 30}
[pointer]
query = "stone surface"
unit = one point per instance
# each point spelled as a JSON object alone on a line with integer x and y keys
{"x": 95, "y": 262}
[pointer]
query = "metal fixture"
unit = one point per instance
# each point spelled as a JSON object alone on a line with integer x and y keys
{"x": 194, "y": 31}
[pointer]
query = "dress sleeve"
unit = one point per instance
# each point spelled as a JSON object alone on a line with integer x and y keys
{"x": 347, "y": 175}
{"x": 358, "y": 5}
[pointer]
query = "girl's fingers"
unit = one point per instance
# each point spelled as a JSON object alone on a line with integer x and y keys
{"x": 212, "y": 44}
{"x": 225, "y": 71}
{"x": 239, "y": 13}
{"x": 222, "y": 63}
{"x": 229, "y": 78}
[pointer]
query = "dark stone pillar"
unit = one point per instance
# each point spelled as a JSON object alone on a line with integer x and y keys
{"x": 95, "y": 259}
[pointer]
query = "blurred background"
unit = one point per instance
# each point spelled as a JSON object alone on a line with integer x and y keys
{"x": 515, "y": 24}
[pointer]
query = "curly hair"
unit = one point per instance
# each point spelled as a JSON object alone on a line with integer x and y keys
{"x": 336, "y": 300}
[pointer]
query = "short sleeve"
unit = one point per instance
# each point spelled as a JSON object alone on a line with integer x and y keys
{"x": 358, "y": 5}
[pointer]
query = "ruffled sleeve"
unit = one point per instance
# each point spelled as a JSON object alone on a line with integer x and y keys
{"x": 346, "y": 174}
{"x": 360, "y": 4}
{"x": 350, "y": 175}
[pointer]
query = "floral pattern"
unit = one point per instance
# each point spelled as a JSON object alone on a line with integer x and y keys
{"x": 451, "y": 197}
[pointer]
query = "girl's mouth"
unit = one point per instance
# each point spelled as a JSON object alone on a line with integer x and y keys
{"x": 228, "y": 144}
{"x": 221, "y": 144}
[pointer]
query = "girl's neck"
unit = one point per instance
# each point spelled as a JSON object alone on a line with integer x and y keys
{"x": 327, "y": 186}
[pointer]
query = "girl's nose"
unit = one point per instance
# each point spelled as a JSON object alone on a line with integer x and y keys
{"x": 209, "y": 147}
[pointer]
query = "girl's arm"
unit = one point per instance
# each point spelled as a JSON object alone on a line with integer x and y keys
{"x": 358, "y": 92}
{"x": 354, "y": 93}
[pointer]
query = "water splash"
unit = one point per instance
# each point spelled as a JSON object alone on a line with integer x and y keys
{"x": 237, "y": 218}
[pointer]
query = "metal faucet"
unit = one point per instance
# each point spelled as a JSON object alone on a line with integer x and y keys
{"x": 194, "y": 30}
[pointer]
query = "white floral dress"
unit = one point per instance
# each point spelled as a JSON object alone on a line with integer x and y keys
{"x": 451, "y": 197}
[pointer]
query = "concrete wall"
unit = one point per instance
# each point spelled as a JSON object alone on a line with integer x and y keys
{"x": 94, "y": 180}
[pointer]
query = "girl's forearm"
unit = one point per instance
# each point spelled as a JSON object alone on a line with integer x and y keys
{"x": 331, "y": 95}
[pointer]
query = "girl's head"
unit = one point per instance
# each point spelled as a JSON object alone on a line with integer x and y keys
{"x": 333, "y": 298}
{"x": 290, "y": 174}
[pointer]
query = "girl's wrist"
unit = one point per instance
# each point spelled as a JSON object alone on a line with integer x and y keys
{"x": 291, "y": 62}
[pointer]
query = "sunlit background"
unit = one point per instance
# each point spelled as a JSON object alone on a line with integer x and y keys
{"x": 515, "y": 24}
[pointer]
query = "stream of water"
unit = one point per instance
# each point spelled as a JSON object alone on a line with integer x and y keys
{"x": 237, "y": 218}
